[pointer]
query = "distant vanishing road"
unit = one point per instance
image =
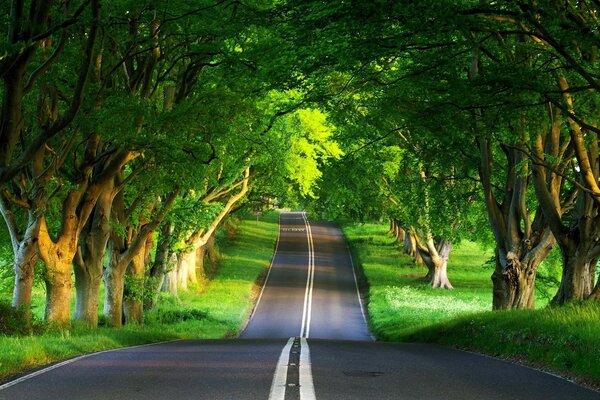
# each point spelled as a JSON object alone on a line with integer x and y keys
{"x": 307, "y": 339}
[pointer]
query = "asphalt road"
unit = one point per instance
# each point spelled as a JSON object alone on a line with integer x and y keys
{"x": 335, "y": 309}
{"x": 307, "y": 339}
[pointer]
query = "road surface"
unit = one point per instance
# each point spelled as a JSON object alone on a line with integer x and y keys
{"x": 307, "y": 339}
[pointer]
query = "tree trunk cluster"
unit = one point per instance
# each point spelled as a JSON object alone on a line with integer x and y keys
{"x": 434, "y": 253}
{"x": 103, "y": 233}
{"x": 406, "y": 237}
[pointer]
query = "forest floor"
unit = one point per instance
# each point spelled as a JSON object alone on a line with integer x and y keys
{"x": 403, "y": 307}
{"x": 216, "y": 310}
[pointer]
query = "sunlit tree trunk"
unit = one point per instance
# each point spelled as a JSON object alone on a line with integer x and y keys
{"x": 400, "y": 233}
{"x": 410, "y": 246}
{"x": 439, "y": 274}
{"x": 204, "y": 270}
{"x": 186, "y": 261}
{"x": 58, "y": 256}
{"x": 170, "y": 281}
{"x": 187, "y": 269}
{"x": 435, "y": 257}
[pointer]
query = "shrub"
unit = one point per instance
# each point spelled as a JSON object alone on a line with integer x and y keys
{"x": 175, "y": 315}
{"x": 13, "y": 321}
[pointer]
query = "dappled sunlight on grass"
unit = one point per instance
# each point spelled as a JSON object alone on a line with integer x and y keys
{"x": 400, "y": 299}
{"x": 409, "y": 298}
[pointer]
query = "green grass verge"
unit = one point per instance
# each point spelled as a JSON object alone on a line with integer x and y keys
{"x": 219, "y": 311}
{"x": 403, "y": 307}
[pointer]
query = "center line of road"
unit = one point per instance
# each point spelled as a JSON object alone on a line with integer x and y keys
{"x": 293, "y": 371}
{"x": 307, "y": 309}
{"x": 279, "y": 379}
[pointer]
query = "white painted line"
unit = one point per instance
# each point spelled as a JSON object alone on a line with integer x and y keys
{"x": 72, "y": 360}
{"x": 280, "y": 377}
{"x": 307, "y": 387}
{"x": 269, "y": 270}
{"x": 360, "y": 302}
{"x": 312, "y": 278}
{"x": 307, "y": 308}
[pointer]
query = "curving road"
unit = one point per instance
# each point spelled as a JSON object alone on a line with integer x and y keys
{"x": 307, "y": 339}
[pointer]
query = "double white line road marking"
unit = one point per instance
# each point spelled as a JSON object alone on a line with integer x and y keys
{"x": 298, "y": 347}
{"x": 293, "y": 372}
{"x": 310, "y": 280}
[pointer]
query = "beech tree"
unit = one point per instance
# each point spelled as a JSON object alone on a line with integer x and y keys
{"x": 559, "y": 35}
{"x": 129, "y": 126}
{"x": 499, "y": 65}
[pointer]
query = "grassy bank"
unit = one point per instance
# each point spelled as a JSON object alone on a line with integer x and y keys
{"x": 402, "y": 307}
{"x": 219, "y": 311}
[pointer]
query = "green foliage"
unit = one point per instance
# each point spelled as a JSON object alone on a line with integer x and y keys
{"x": 179, "y": 315}
{"x": 548, "y": 274}
{"x": 311, "y": 146}
{"x": 134, "y": 289}
{"x": 6, "y": 267}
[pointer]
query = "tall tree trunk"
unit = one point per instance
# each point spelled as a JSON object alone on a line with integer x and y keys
{"x": 160, "y": 267}
{"x": 58, "y": 257}
{"x": 410, "y": 247}
{"x": 134, "y": 250}
{"x": 25, "y": 254}
{"x": 440, "y": 267}
{"x": 87, "y": 293}
{"x": 400, "y": 233}
{"x": 201, "y": 255}
{"x": 170, "y": 281}
{"x": 186, "y": 262}
{"x": 114, "y": 283}
{"x": 522, "y": 241}
{"x": 134, "y": 289}
{"x": 435, "y": 257}
{"x": 514, "y": 280}
{"x": 578, "y": 275}
{"x": 90, "y": 258}
{"x": 25, "y": 258}
{"x": 577, "y": 235}
{"x": 24, "y": 267}
{"x": 59, "y": 289}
